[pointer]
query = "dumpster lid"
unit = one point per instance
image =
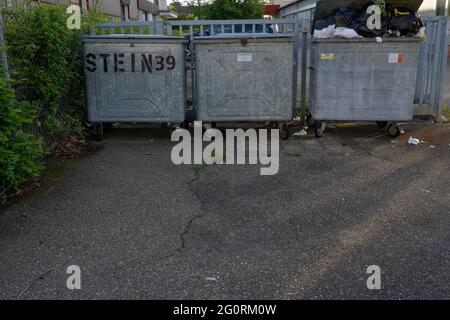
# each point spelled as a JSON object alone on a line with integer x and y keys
{"x": 325, "y": 8}
{"x": 118, "y": 37}
{"x": 247, "y": 36}
{"x": 362, "y": 40}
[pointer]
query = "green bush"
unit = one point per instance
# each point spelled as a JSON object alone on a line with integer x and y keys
{"x": 46, "y": 103}
{"x": 20, "y": 152}
{"x": 228, "y": 9}
{"x": 46, "y": 68}
{"x": 43, "y": 55}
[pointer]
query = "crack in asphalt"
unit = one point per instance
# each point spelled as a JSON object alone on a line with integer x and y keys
{"x": 187, "y": 229}
{"x": 36, "y": 279}
{"x": 189, "y": 223}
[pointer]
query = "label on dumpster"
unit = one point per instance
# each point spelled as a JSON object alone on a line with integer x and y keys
{"x": 129, "y": 62}
{"x": 327, "y": 56}
{"x": 396, "y": 58}
{"x": 244, "y": 57}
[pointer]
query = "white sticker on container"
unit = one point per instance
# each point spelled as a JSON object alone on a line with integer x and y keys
{"x": 244, "y": 57}
{"x": 396, "y": 58}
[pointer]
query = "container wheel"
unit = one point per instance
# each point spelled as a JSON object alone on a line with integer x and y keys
{"x": 98, "y": 131}
{"x": 393, "y": 130}
{"x": 310, "y": 121}
{"x": 284, "y": 131}
{"x": 319, "y": 128}
{"x": 382, "y": 124}
{"x": 184, "y": 125}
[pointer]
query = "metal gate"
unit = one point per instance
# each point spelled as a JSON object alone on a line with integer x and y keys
{"x": 432, "y": 68}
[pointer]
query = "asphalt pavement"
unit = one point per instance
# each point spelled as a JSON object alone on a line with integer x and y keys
{"x": 140, "y": 227}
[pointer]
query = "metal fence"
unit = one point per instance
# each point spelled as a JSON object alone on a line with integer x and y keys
{"x": 433, "y": 55}
{"x": 213, "y": 27}
{"x": 131, "y": 27}
{"x": 13, "y": 60}
{"x": 3, "y": 55}
{"x": 432, "y": 68}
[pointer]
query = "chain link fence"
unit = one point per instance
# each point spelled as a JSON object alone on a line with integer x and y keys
{"x": 23, "y": 64}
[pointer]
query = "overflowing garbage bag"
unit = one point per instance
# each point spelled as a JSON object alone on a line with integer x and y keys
{"x": 351, "y": 23}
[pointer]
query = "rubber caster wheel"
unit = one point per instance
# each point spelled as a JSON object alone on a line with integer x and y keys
{"x": 310, "y": 121}
{"x": 319, "y": 128}
{"x": 98, "y": 131}
{"x": 184, "y": 125}
{"x": 382, "y": 124}
{"x": 284, "y": 131}
{"x": 393, "y": 130}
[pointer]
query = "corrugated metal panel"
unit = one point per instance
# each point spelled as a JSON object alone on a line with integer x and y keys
{"x": 360, "y": 79}
{"x": 248, "y": 79}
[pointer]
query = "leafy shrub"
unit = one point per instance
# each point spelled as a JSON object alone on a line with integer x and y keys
{"x": 228, "y": 9}
{"x": 47, "y": 102}
{"x": 20, "y": 152}
{"x": 44, "y": 64}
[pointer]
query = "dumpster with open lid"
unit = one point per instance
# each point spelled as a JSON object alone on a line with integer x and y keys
{"x": 135, "y": 78}
{"x": 246, "y": 78}
{"x": 363, "y": 79}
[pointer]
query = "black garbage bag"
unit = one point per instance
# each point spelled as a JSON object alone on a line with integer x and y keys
{"x": 324, "y": 23}
{"x": 344, "y": 17}
{"x": 406, "y": 21}
{"x": 360, "y": 23}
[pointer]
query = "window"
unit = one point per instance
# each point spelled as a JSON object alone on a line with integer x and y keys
{"x": 125, "y": 11}
{"x": 143, "y": 15}
{"x": 84, "y": 4}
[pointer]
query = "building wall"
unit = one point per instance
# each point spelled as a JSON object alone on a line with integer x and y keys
{"x": 110, "y": 8}
{"x": 428, "y": 8}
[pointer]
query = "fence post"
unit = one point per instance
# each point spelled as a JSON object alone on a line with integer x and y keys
{"x": 304, "y": 28}
{"x": 3, "y": 56}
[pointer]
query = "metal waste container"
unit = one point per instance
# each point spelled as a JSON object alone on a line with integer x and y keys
{"x": 245, "y": 77}
{"x": 135, "y": 78}
{"x": 361, "y": 79}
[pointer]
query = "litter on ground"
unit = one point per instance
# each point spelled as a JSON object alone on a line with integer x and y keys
{"x": 301, "y": 133}
{"x": 413, "y": 141}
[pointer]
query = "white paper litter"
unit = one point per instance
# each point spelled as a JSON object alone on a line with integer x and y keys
{"x": 421, "y": 33}
{"x": 333, "y": 32}
{"x": 300, "y": 133}
{"x": 413, "y": 141}
{"x": 324, "y": 33}
{"x": 211, "y": 279}
{"x": 346, "y": 33}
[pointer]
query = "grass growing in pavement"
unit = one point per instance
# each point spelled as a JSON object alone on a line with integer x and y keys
{"x": 446, "y": 112}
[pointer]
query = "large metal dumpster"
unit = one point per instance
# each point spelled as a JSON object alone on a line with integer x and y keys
{"x": 362, "y": 79}
{"x": 242, "y": 77}
{"x": 135, "y": 78}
